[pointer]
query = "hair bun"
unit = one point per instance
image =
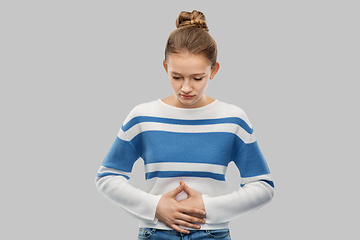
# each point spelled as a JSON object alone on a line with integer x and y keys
{"x": 194, "y": 18}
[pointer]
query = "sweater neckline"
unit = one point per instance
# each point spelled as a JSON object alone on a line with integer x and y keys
{"x": 188, "y": 109}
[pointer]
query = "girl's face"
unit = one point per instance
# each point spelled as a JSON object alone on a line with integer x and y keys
{"x": 189, "y": 75}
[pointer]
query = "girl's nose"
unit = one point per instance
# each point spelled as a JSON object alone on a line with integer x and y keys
{"x": 186, "y": 88}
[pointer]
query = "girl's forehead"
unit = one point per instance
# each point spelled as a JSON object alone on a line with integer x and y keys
{"x": 182, "y": 63}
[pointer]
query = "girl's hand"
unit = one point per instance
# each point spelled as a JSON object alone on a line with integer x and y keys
{"x": 173, "y": 214}
{"x": 194, "y": 199}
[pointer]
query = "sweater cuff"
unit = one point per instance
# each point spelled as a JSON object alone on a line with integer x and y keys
{"x": 149, "y": 209}
{"x": 156, "y": 202}
{"x": 209, "y": 209}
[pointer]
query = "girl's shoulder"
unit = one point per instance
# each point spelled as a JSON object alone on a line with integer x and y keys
{"x": 142, "y": 109}
{"x": 233, "y": 110}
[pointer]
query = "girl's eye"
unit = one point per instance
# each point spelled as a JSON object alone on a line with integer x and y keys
{"x": 177, "y": 78}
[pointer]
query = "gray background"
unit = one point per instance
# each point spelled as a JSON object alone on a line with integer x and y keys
{"x": 72, "y": 70}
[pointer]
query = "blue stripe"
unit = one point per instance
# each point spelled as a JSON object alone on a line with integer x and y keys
{"x": 110, "y": 173}
{"x": 213, "y": 148}
{"x": 171, "y": 174}
{"x": 234, "y": 120}
{"x": 250, "y": 161}
{"x": 271, "y": 183}
{"x": 121, "y": 156}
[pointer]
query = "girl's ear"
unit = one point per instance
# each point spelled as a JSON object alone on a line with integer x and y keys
{"x": 165, "y": 66}
{"x": 215, "y": 70}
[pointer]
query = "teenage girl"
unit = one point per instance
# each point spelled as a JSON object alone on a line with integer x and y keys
{"x": 187, "y": 141}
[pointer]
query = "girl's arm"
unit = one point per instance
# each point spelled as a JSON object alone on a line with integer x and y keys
{"x": 257, "y": 187}
{"x": 112, "y": 181}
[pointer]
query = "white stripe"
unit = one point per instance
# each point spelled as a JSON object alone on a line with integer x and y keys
{"x": 112, "y": 170}
{"x": 252, "y": 138}
{"x": 208, "y": 186}
{"x": 121, "y": 135}
{"x": 172, "y": 166}
{"x": 256, "y": 178}
{"x": 157, "y": 109}
{"x": 155, "y": 126}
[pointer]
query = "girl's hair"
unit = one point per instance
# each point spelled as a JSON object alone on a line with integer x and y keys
{"x": 192, "y": 36}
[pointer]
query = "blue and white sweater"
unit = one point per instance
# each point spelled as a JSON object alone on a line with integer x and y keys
{"x": 190, "y": 144}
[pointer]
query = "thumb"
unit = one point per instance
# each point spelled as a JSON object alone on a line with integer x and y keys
{"x": 177, "y": 190}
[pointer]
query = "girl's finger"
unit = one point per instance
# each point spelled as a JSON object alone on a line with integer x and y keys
{"x": 179, "y": 229}
{"x": 176, "y": 191}
{"x": 187, "y": 224}
{"x": 190, "y": 219}
{"x": 192, "y": 211}
{"x": 188, "y": 190}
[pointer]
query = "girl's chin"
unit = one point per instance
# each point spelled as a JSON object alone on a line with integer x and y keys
{"x": 188, "y": 102}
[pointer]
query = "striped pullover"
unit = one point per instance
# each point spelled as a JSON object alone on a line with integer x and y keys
{"x": 190, "y": 144}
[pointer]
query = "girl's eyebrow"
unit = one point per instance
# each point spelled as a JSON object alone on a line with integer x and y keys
{"x": 196, "y": 74}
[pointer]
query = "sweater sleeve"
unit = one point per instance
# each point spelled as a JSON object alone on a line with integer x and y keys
{"x": 112, "y": 180}
{"x": 256, "y": 190}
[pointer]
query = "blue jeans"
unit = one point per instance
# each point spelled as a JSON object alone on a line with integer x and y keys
{"x": 159, "y": 234}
